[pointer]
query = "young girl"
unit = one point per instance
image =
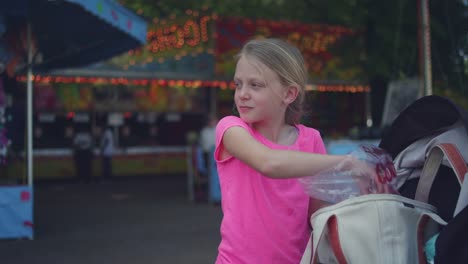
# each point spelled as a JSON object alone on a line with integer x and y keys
{"x": 259, "y": 155}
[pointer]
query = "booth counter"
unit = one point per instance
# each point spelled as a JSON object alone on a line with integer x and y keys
{"x": 345, "y": 146}
{"x": 133, "y": 161}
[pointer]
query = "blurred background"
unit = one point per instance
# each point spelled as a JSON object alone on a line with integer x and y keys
{"x": 152, "y": 72}
{"x": 155, "y": 94}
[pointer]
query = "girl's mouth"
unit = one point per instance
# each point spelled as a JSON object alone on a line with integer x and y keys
{"x": 243, "y": 109}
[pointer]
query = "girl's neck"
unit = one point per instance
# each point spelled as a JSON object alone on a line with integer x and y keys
{"x": 280, "y": 133}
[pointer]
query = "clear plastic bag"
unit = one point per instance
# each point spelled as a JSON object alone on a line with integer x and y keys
{"x": 366, "y": 170}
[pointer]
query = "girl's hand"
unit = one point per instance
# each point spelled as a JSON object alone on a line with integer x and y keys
{"x": 371, "y": 177}
{"x": 367, "y": 170}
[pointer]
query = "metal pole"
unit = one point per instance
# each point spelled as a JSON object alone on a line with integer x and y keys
{"x": 425, "y": 35}
{"x": 213, "y": 101}
{"x": 29, "y": 113}
{"x": 369, "y": 121}
{"x": 190, "y": 172}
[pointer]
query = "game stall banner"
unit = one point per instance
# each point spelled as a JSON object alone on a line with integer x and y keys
{"x": 321, "y": 45}
{"x": 68, "y": 97}
{"x": 176, "y": 45}
{"x": 155, "y": 96}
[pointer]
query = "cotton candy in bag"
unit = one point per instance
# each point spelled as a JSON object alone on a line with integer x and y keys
{"x": 368, "y": 169}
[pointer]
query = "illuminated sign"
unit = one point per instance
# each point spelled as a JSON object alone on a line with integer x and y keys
{"x": 318, "y": 43}
{"x": 180, "y": 45}
{"x": 191, "y": 33}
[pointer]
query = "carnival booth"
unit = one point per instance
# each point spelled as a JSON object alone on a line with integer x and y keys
{"x": 162, "y": 91}
{"x": 187, "y": 67}
{"x": 35, "y": 37}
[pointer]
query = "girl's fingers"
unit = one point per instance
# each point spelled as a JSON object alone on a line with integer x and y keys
{"x": 380, "y": 187}
{"x": 367, "y": 179}
{"x": 387, "y": 189}
{"x": 391, "y": 190}
{"x": 363, "y": 186}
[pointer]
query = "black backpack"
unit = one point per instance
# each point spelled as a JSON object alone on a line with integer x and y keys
{"x": 427, "y": 116}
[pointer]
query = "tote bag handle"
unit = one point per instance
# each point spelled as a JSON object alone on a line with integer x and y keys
{"x": 432, "y": 164}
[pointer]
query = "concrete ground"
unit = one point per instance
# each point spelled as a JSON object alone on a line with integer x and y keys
{"x": 129, "y": 220}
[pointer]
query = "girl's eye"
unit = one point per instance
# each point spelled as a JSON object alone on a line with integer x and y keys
{"x": 256, "y": 85}
{"x": 237, "y": 84}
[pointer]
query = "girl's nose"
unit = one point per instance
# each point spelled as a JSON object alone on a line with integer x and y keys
{"x": 243, "y": 93}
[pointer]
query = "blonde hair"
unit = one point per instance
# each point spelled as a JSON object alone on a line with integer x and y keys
{"x": 287, "y": 62}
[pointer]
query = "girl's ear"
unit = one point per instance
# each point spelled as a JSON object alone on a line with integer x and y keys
{"x": 291, "y": 94}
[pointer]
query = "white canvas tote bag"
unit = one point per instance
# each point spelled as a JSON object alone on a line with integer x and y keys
{"x": 381, "y": 228}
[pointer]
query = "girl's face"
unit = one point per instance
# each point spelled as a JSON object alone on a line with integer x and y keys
{"x": 259, "y": 94}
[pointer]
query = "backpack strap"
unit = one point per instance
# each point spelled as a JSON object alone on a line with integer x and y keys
{"x": 330, "y": 227}
{"x": 462, "y": 201}
{"x": 432, "y": 164}
{"x": 309, "y": 210}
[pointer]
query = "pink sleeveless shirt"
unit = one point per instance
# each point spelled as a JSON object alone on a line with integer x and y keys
{"x": 264, "y": 219}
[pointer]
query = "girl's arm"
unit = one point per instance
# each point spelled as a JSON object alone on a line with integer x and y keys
{"x": 274, "y": 163}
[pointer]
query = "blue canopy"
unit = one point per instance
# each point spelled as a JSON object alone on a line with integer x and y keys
{"x": 74, "y": 33}
{"x": 68, "y": 33}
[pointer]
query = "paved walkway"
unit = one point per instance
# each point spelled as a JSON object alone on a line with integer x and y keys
{"x": 131, "y": 220}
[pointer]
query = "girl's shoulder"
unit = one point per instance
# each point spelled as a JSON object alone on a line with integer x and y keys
{"x": 310, "y": 139}
{"x": 308, "y": 132}
{"x": 231, "y": 118}
{"x": 230, "y": 121}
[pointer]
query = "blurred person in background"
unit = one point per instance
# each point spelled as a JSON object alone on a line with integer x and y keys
{"x": 83, "y": 154}
{"x": 107, "y": 150}
{"x": 125, "y": 138}
{"x": 207, "y": 139}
